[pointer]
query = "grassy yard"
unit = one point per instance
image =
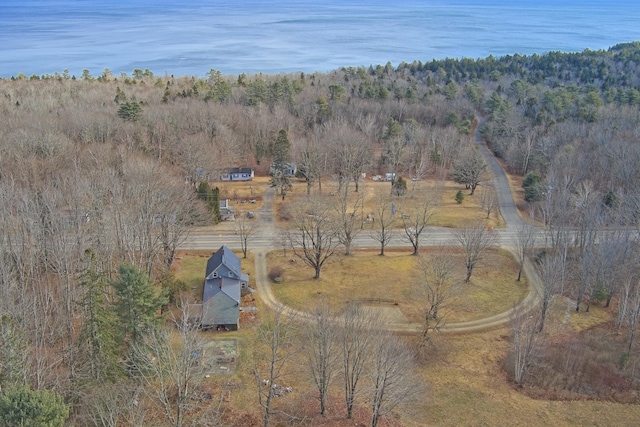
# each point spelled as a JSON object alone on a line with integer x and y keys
{"x": 492, "y": 290}
{"x": 449, "y": 213}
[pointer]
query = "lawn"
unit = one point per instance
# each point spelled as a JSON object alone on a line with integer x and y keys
{"x": 449, "y": 213}
{"x": 492, "y": 289}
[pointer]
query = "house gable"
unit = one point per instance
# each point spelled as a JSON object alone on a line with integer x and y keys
{"x": 230, "y": 263}
{"x": 231, "y": 287}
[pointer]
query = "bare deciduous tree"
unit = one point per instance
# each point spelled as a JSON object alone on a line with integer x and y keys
{"x": 246, "y": 230}
{"x": 550, "y": 271}
{"x": 524, "y": 242}
{"x": 384, "y": 219}
{"x": 489, "y": 201}
{"x": 444, "y": 144}
{"x": 311, "y": 161}
{"x": 392, "y": 376}
{"x": 526, "y": 346}
{"x": 359, "y": 329}
{"x": 113, "y": 404}
{"x": 616, "y": 254}
{"x": 586, "y": 210}
{"x": 347, "y": 208}
{"x": 586, "y": 276}
{"x": 322, "y": 350}
{"x": 351, "y": 153}
{"x": 314, "y": 236}
{"x": 632, "y": 316}
{"x": 271, "y": 354}
{"x": 416, "y": 215}
{"x": 470, "y": 169}
{"x": 172, "y": 368}
{"x": 394, "y": 148}
{"x": 476, "y": 239}
{"x": 439, "y": 286}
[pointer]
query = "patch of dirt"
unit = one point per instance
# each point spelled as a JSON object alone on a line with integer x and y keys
{"x": 390, "y": 314}
{"x": 221, "y": 355}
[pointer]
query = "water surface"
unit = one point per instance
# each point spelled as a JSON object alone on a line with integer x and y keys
{"x": 253, "y": 36}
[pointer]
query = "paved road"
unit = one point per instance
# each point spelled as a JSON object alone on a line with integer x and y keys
{"x": 501, "y": 184}
{"x": 267, "y": 238}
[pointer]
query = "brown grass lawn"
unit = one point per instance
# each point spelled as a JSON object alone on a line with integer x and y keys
{"x": 448, "y": 214}
{"x": 492, "y": 290}
{"x": 242, "y": 193}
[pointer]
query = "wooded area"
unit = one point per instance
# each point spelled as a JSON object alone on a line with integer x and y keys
{"x": 98, "y": 179}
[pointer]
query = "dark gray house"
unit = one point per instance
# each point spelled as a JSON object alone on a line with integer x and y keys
{"x": 224, "y": 283}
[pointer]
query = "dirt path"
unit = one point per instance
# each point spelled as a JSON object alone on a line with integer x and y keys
{"x": 528, "y": 303}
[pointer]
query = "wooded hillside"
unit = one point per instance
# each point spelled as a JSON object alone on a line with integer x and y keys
{"x": 99, "y": 172}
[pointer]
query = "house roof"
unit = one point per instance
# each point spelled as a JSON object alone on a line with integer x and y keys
{"x": 239, "y": 170}
{"x": 231, "y": 287}
{"x": 220, "y": 310}
{"x": 225, "y": 256}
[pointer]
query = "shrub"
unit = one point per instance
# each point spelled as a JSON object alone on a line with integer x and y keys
{"x": 459, "y": 196}
{"x": 276, "y": 273}
{"x": 532, "y": 184}
{"x": 283, "y": 213}
{"x": 400, "y": 187}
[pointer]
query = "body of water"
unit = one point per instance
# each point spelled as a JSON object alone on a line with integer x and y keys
{"x": 253, "y": 36}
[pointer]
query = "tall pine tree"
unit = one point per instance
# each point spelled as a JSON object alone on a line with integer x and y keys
{"x": 98, "y": 343}
{"x": 138, "y": 303}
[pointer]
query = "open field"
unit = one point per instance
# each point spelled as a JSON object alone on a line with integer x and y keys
{"x": 492, "y": 289}
{"x": 448, "y": 214}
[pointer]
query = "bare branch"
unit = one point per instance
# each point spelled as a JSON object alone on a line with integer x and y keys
{"x": 476, "y": 239}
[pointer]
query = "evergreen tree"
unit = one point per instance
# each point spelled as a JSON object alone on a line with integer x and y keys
{"x": 130, "y": 111}
{"x": 137, "y": 302}
{"x": 400, "y": 186}
{"x": 32, "y": 408}
{"x": 532, "y": 187}
{"x": 98, "y": 342}
{"x": 13, "y": 352}
{"x": 281, "y": 148}
{"x": 120, "y": 96}
{"x": 214, "y": 204}
{"x": 204, "y": 191}
{"x": 212, "y": 197}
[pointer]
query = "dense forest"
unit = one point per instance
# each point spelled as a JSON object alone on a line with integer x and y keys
{"x": 98, "y": 178}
